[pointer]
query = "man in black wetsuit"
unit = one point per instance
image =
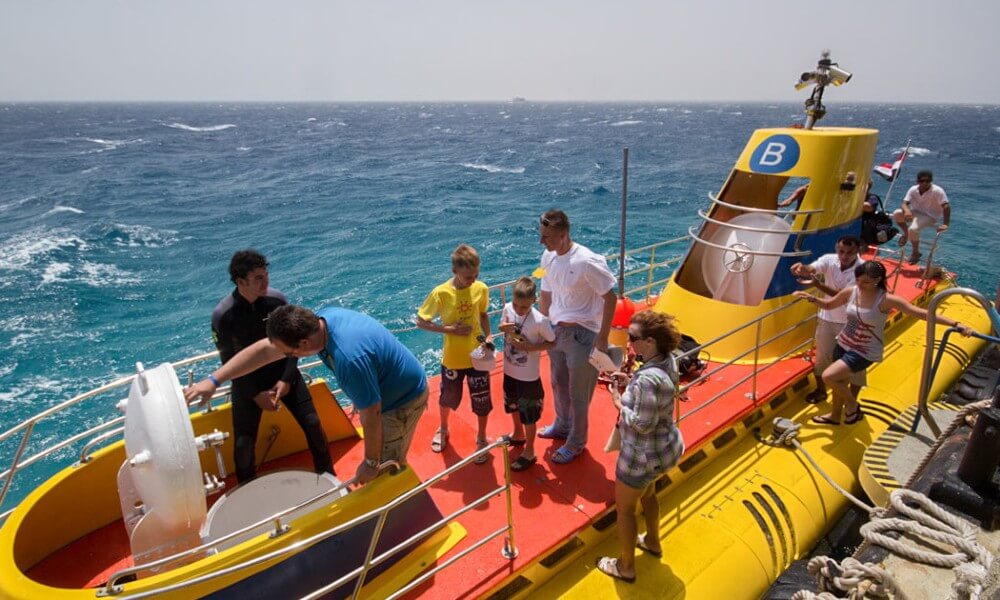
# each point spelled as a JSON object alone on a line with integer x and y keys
{"x": 238, "y": 321}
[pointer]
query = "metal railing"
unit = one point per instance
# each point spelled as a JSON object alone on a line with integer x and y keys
{"x": 927, "y": 373}
{"x": 509, "y": 550}
{"x": 754, "y": 349}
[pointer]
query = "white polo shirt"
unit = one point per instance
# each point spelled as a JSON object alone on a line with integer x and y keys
{"x": 930, "y": 203}
{"x": 834, "y": 277}
{"x": 576, "y": 280}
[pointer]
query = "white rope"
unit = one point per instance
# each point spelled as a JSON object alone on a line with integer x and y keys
{"x": 970, "y": 562}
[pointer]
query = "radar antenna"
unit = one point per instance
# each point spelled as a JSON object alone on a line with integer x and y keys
{"x": 826, "y": 73}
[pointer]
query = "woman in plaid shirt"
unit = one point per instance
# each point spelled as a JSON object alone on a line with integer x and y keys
{"x": 650, "y": 440}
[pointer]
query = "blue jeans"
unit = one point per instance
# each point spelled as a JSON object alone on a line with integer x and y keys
{"x": 573, "y": 383}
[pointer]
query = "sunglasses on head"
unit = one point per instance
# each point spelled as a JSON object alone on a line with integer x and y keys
{"x": 553, "y": 222}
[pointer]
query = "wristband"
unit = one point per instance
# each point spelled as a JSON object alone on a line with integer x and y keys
{"x": 214, "y": 381}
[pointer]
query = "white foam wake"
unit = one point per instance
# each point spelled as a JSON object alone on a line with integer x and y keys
{"x": 916, "y": 151}
{"x": 19, "y": 252}
{"x": 493, "y": 168}
{"x": 556, "y": 141}
{"x": 624, "y": 123}
{"x": 187, "y": 127}
{"x": 63, "y": 209}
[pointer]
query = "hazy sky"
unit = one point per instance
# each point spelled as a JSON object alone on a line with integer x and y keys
{"x": 309, "y": 50}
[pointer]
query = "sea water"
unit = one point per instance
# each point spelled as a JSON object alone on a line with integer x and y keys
{"x": 117, "y": 221}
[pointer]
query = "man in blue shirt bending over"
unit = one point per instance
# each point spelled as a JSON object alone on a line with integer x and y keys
{"x": 380, "y": 376}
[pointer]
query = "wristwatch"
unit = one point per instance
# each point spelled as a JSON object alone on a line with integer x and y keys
{"x": 372, "y": 462}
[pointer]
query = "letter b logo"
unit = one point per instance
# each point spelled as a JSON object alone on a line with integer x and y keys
{"x": 775, "y": 154}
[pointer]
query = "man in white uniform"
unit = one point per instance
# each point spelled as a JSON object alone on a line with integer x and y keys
{"x": 579, "y": 298}
{"x": 831, "y": 273}
{"x": 924, "y": 205}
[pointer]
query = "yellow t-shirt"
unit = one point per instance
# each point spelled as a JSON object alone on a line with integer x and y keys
{"x": 454, "y": 306}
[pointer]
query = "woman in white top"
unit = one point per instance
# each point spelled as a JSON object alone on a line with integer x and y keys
{"x": 861, "y": 342}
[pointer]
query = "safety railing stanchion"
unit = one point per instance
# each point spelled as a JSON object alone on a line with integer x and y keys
{"x": 756, "y": 361}
{"x": 17, "y": 457}
{"x": 379, "y": 525}
{"x": 649, "y": 278}
{"x": 509, "y": 550}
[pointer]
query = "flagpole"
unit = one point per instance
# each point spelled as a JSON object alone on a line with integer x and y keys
{"x": 892, "y": 182}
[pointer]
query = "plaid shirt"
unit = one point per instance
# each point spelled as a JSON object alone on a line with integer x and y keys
{"x": 651, "y": 442}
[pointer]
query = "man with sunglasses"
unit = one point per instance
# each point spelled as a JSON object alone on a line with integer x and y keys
{"x": 924, "y": 205}
{"x": 578, "y": 296}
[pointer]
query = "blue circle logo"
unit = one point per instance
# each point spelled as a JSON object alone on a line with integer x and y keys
{"x": 775, "y": 154}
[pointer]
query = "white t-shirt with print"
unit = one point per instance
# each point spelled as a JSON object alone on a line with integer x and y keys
{"x": 535, "y": 327}
{"x": 576, "y": 280}
{"x": 834, "y": 277}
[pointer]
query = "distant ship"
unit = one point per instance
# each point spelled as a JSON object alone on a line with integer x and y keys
{"x": 518, "y": 99}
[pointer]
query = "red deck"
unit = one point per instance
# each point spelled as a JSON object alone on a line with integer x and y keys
{"x": 551, "y": 501}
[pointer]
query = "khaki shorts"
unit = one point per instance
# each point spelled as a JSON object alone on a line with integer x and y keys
{"x": 398, "y": 426}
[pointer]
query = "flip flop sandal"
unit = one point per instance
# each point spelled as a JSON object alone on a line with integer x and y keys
{"x": 564, "y": 455}
{"x": 523, "y": 464}
{"x": 482, "y": 458}
{"x": 609, "y": 566}
{"x": 914, "y": 259}
{"x": 440, "y": 441}
{"x": 824, "y": 420}
{"x": 854, "y": 417}
{"x": 815, "y": 397}
{"x": 548, "y": 433}
{"x": 512, "y": 442}
{"x": 640, "y": 543}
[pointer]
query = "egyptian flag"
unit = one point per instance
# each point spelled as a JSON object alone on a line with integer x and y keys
{"x": 890, "y": 171}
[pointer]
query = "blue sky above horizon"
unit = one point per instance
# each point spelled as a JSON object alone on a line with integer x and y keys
{"x": 447, "y": 50}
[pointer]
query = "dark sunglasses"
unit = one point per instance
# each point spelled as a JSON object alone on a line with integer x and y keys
{"x": 633, "y": 338}
{"x": 923, "y": 181}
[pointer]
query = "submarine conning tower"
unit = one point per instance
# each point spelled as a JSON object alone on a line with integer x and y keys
{"x": 737, "y": 268}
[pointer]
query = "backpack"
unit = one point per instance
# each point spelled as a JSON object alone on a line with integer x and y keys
{"x": 691, "y": 366}
{"x": 877, "y": 227}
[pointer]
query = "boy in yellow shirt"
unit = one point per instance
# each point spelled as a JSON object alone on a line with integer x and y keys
{"x": 460, "y": 304}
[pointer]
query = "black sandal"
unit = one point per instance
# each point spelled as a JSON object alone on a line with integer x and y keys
{"x": 523, "y": 464}
{"x": 854, "y": 417}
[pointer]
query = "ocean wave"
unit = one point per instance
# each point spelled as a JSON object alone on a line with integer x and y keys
{"x": 243, "y": 148}
{"x": 186, "y": 127}
{"x": 29, "y": 393}
{"x": 917, "y": 151}
{"x": 19, "y": 252}
{"x": 55, "y": 271}
{"x": 107, "y": 145}
{"x": 105, "y": 275}
{"x": 136, "y": 236}
{"x": 493, "y": 168}
{"x": 63, "y": 209}
{"x": 556, "y": 141}
{"x": 310, "y": 119}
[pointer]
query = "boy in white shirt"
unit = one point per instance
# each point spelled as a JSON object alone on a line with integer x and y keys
{"x": 527, "y": 332}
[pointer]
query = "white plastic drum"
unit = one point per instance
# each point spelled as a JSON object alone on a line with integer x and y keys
{"x": 735, "y": 275}
{"x": 160, "y": 485}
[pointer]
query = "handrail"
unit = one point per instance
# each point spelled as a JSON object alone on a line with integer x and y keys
{"x": 811, "y": 211}
{"x": 695, "y": 237}
{"x": 112, "y": 588}
{"x": 925, "y": 372}
{"x": 703, "y": 215}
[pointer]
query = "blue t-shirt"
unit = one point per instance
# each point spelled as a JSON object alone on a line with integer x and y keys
{"x": 371, "y": 365}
